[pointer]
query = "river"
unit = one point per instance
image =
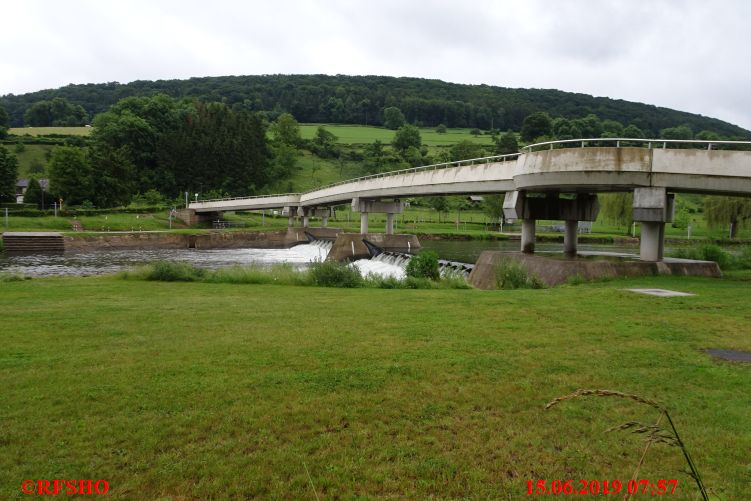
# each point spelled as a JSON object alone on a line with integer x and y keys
{"x": 111, "y": 261}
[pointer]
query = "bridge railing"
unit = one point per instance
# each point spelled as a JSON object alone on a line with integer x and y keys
{"x": 255, "y": 197}
{"x": 642, "y": 143}
{"x": 423, "y": 168}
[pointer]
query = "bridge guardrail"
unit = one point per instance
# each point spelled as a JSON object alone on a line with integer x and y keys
{"x": 443, "y": 165}
{"x": 661, "y": 143}
{"x": 247, "y": 198}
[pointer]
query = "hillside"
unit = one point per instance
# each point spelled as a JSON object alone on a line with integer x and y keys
{"x": 361, "y": 100}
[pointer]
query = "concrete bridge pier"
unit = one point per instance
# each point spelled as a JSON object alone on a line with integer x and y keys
{"x": 290, "y": 213}
{"x": 365, "y": 207}
{"x": 653, "y": 207}
{"x": 570, "y": 237}
{"x": 528, "y": 235}
{"x": 570, "y": 208}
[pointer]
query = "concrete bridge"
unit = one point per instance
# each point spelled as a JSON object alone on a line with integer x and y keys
{"x": 556, "y": 180}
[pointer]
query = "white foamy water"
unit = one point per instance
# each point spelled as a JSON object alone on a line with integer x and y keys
{"x": 376, "y": 267}
{"x": 111, "y": 261}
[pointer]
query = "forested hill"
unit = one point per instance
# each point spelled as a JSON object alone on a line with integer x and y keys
{"x": 361, "y": 100}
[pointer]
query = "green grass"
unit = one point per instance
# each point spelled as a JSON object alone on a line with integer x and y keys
{"x": 199, "y": 390}
{"x": 42, "y": 131}
{"x": 101, "y": 222}
{"x": 33, "y": 154}
{"x": 360, "y": 134}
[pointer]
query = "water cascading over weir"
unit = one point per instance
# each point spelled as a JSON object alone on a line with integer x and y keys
{"x": 388, "y": 263}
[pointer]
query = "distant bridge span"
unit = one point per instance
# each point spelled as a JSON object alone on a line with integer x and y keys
{"x": 651, "y": 168}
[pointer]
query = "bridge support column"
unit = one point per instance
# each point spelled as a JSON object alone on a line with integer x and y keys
{"x": 528, "y": 236}
{"x": 571, "y": 236}
{"x": 653, "y": 207}
{"x": 325, "y": 221}
{"x": 389, "y": 223}
{"x": 651, "y": 241}
{"x": 365, "y": 207}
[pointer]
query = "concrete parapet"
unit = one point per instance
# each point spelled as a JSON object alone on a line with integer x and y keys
{"x": 558, "y": 270}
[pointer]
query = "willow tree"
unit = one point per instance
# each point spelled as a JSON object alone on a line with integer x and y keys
{"x": 617, "y": 208}
{"x": 720, "y": 211}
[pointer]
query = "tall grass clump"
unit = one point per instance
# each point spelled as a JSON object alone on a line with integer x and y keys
{"x": 167, "y": 271}
{"x": 510, "y": 274}
{"x": 334, "y": 274}
{"x": 280, "y": 274}
{"x": 653, "y": 433}
{"x": 725, "y": 260}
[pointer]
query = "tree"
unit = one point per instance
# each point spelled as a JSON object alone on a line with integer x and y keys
{"x": 617, "y": 208}
{"x": 8, "y": 175}
{"x": 465, "y": 150}
{"x": 113, "y": 176}
{"x": 720, "y": 211}
{"x": 407, "y": 136}
{"x": 441, "y": 129}
{"x": 633, "y": 131}
{"x": 286, "y": 130}
{"x": 680, "y": 132}
{"x": 393, "y": 118}
{"x": 440, "y": 204}
{"x": 4, "y": 123}
{"x": 324, "y": 143}
{"x": 71, "y": 175}
{"x": 494, "y": 206}
{"x": 563, "y": 129}
{"x": 536, "y": 125}
{"x": 507, "y": 144}
{"x": 590, "y": 126}
{"x": 33, "y": 193}
{"x": 59, "y": 112}
{"x": 611, "y": 128}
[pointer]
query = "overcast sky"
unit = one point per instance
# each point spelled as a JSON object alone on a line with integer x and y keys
{"x": 691, "y": 55}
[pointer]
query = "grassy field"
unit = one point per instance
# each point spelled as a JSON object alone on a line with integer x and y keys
{"x": 43, "y": 131}
{"x": 360, "y": 134}
{"x": 195, "y": 391}
{"x": 33, "y": 160}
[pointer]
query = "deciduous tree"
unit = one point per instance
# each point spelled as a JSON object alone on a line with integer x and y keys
{"x": 732, "y": 211}
{"x": 8, "y": 175}
{"x": 393, "y": 118}
{"x": 536, "y": 125}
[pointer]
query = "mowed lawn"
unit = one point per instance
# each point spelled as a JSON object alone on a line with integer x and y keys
{"x": 361, "y": 134}
{"x": 191, "y": 390}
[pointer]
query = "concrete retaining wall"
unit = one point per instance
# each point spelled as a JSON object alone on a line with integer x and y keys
{"x": 556, "y": 271}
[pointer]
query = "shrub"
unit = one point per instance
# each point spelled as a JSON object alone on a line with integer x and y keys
{"x": 510, "y": 274}
{"x": 333, "y": 274}
{"x": 441, "y": 129}
{"x": 424, "y": 265}
{"x": 167, "y": 271}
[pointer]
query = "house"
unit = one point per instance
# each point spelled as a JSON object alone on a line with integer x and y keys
{"x": 23, "y": 184}
{"x": 475, "y": 200}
